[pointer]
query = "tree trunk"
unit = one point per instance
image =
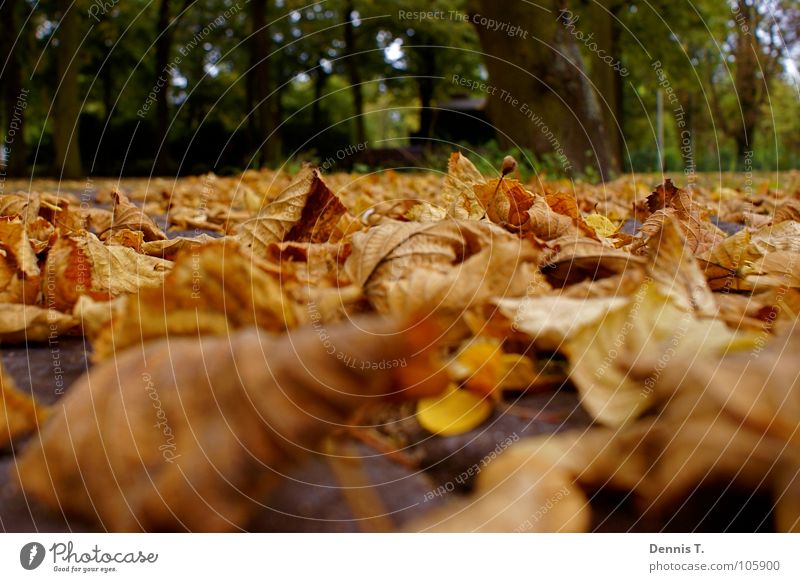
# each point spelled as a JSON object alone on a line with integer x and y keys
{"x": 67, "y": 110}
{"x": 15, "y": 93}
{"x": 354, "y": 73}
{"x": 543, "y": 99}
{"x": 264, "y": 112}
{"x": 108, "y": 89}
{"x": 164, "y": 36}
{"x": 320, "y": 78}
{"x": 606, "y": 78}
{"x": 425, "y": 85}
{"x": 747, "y": 83}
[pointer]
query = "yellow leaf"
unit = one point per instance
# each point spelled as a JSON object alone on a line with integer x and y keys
{"x": 454, "y": 412}
{"x": 485, "y": 369}
{"x": 652, "y": 327}
{"x": 601, "y": 225}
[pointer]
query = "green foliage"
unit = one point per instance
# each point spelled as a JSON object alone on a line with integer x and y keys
{"x": 403, "y": 63}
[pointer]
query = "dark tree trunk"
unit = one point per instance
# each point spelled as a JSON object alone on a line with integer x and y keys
{"x": 264, "y": 108}
{"x": 605, "y": 77}
{"x": 15, "y": 94}
{"x": 108, "y": 88}
{"x": 320, "y": 78}
{"x": 67, "y": 110}
{"x": 748, "y": 83}
{"x": 354, "y": 73}
{"x": 426, "y": 87}
{"x": 556, "y": 109}
{"x": 164, "y": 37}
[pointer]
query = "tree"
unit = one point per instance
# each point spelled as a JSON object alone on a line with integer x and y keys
{"x": 165, "y": 35}
{"x": 353, "y": 64}
{"x": 433, "y": 51}
{"x": 264, "y": 110}
{"x": 764, "y": 30}
{"x": 14, "y": 92}
{"x": 543, "y": 97}
{"x": 67, "y": 107}
{"x": 604, "y": 16}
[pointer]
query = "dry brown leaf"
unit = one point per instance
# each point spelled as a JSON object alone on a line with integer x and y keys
{"x": 22, "y": 206}
{"x": 213, "y": 289}
{"x": 566, "y": 205}
{"x": 649, "y": 325}
{"x": 85, "y": 266}
{"x": 581, "y": 258}
{"x": 128, "y": 216}
{"x": 426, "y": 212}
{"x": 548, "y": 224}
{"x": 169, "y": 249}
{"x": 550, "y": 320}
{"x": 781, "y": 237}
{"x": 133, "y": 239}
{"x": 521, "y": 496}
{"x": 143, "y": 444}
{"x": 676, "y": 272}
{"x": 776, "y": 269}
{"x": 727, "y": 264}
{"x": 17, "y": 247}
{"x": 447, "y": 265}
{"x": 21, "y": 323}
{"x": 307, "y": 211}
{"x": 19, "y": 412}
{"x": 458, "y": 189}
{"x": 506, "y": 202}
{"x": 41, "y": 234}
{"x": 669, "y": 202}
{"x": 787, "y": 211}
{"x": 20, "y": 275}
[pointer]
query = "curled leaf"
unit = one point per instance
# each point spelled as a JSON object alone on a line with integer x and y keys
{"x": 127, "y": 216}
{"x": 446, "y": 265}
{"x": 307, "y": 211}
{"x": 457, "y": 191}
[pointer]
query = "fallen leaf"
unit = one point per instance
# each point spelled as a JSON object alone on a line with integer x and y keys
{"x": 200, "y": 444}
{"x": 506, "y": 202}
{"x": 482, "y": 366}
{"x": 446, "y": 265}
{"x": 127, "y": 216}
{"x": 458, "y": 189}
{"x": 82, "y": 265}
{"x": 787, "y": 211}
{"x": 453, "y": 412}
{"x": 14, "y": 241}
{"x": 212, "y": 290}
{"x": 602, "y": 226}
{"x": 19, "y": 412}
{"x": 649, "y": 324}
{"x": 29, "y": 323}
{"x": 307, "y": 211}
{"x": 566, "y": 205}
